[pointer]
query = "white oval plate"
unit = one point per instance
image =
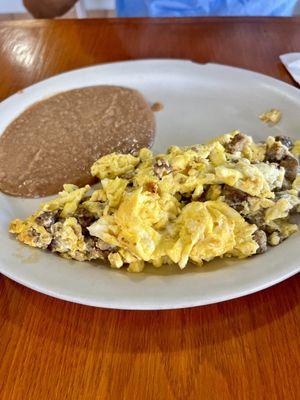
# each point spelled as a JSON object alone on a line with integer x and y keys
{"x": 200, "y": 102}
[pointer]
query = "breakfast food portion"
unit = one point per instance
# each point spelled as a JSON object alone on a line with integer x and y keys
{"x": 58, "y": 139}
{"x": 271, "y": 117}
{"x": 228, "y": 198}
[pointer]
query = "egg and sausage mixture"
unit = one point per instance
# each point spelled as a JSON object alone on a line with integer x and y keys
{"x": 230, "y": 197}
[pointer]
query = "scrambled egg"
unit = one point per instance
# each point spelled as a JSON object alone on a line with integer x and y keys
{"x": 296, "y": 148}
{"x": 271, "y": 117}
{"x": 192, "y": 204}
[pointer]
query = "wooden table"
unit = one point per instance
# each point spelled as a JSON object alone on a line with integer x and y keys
{"x": 242, "y": 349}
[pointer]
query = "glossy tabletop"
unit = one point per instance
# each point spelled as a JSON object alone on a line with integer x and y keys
{"x": 246, "y": 348}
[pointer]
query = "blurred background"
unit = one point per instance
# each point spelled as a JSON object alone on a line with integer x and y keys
{"x": 15, "y": 10}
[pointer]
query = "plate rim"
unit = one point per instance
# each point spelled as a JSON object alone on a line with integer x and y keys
{"x": 216, "y": 65}
{"x": 166, "y": 306}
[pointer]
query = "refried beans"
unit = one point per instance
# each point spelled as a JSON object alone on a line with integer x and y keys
{"x": 56, "y": 140}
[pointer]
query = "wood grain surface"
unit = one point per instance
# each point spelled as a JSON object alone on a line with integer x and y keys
{"x": 241, "y": 349}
